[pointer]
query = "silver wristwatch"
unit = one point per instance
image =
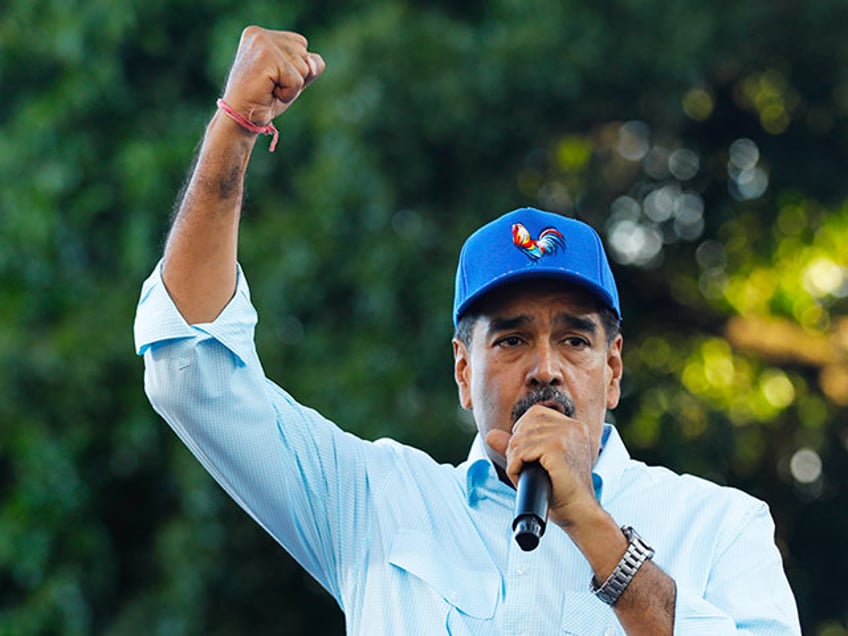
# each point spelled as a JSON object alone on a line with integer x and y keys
{"x": 637, "y": 553}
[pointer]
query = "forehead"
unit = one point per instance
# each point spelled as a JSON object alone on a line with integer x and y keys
{"x": 536, "y": 295}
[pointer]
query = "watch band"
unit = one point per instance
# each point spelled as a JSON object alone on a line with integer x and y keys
{"x": 636, "y": 554}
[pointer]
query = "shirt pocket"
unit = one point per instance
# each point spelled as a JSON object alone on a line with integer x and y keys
{"x": 471, "y": 588}
{"x": 586, "y": 615}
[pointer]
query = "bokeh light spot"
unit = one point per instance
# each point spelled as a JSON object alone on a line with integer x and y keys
{"x": 744, "y": 154}
{"x": 684, "y": 164}
{"x": 633, "y": 243}
{"x": 822, "y": 277}
{"x": 805, "y": 466}
{"x": 633, "y": 140}
{"x": 777, "y": 389}
{"x": 698, "y": 104}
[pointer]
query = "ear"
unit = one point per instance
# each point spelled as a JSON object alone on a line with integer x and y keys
{"x": 462, "y": 372}
{"x": 615, "y": 369}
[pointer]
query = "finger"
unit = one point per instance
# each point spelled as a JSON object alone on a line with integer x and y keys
{"x": 295, "y": 52}
{"x": 537, "y": 423}
{"x": 535, "y": 436}
{"x": 515, "y": 452}
{"x": 294, "y": 38}
{"x": 289, "y": 83}
{"x": 316, "y": 66}
{"x": 518, "y": 456}
{"x": 298, "y": 69}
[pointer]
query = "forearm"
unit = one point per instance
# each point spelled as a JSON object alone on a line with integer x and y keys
{"x": 647, "y": 604}
{"x": 270, "y": 71}
{"x": 746, "y": 586}
{"x": 199, "y": 266}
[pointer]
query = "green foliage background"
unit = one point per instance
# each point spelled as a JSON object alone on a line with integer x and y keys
{"x": 432, "y": 117}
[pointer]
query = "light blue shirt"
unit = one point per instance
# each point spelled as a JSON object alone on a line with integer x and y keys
{"x": 409, "y": 546}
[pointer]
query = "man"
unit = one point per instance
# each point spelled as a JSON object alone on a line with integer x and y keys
{"x": 409, "y": 546}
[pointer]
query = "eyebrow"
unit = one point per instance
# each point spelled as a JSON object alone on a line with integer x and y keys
{"x": 498, "y": 324}
{"x": 581, "y": 323}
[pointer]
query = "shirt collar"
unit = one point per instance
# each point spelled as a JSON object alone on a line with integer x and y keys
{"x": 480, "y": 474}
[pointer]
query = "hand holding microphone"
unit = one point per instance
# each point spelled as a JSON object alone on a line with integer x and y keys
{"x": 544, "y": 429}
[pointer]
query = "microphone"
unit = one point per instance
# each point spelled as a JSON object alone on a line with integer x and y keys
{"x": 531, "y": 506}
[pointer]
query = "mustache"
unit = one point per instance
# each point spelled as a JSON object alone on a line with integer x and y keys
{"x": 549, "y": 394}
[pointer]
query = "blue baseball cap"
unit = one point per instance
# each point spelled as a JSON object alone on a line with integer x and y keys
{"x": 526, "y": 244}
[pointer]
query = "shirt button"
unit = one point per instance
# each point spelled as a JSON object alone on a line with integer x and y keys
{"x": 610, "y": 631}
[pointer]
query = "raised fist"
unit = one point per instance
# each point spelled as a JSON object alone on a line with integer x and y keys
{"x": 271, "y": 69}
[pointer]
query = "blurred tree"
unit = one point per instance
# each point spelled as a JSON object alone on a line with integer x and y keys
{"x": 704, "y": 140}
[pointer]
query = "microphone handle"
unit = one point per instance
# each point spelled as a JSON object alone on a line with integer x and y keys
{"x": 531, "y": 506}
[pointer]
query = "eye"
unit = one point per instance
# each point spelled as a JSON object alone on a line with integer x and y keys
{"x": 576, "y": 342}
{"x": 509, "y": 342}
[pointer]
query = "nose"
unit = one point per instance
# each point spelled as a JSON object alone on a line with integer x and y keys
{"x": 545, "y": 368}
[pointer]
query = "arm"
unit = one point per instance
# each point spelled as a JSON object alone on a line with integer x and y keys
{"x": 564, "y": 447}
{"x": 273, "y": 456}
{"x": 648, "y": 603}
{"x": 744, "y": 588}
{"x": 270, "y": 70}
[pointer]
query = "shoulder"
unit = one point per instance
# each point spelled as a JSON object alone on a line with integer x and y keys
{"x": 660, "y": 479}
{"x": 404, "y": 458}
{"x": 683, "y": 515}
{"x": 689, "y": 500}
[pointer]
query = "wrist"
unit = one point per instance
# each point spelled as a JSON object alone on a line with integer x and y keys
{"x": 637, "y": 552}
{"x": 223, "y": 130}
{"x": 249, "y": 126}
{"x": 599, "y": 538}
{"x": 582, "y": 517}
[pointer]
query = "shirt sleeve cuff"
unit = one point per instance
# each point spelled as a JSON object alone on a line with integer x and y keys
{"x": 158, "y": 319}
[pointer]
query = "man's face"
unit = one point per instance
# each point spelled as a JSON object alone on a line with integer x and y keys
{"x": 538, "y": 341}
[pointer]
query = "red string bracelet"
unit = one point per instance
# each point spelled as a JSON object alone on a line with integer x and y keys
{"x": 245, "y": 123}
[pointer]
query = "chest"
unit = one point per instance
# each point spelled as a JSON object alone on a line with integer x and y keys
{"x": 475, "y": 580}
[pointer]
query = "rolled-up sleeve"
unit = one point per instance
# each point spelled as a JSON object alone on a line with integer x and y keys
{"x": 291, "y": 469}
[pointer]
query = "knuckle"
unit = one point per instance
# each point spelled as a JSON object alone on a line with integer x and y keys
{"x": 298, "y": 38}
{"x": 250, "y": 33}
{"x": 297, "y": 82}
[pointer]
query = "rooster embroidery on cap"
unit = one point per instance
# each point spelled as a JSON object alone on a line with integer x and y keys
{"x": 550, "y": 239}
